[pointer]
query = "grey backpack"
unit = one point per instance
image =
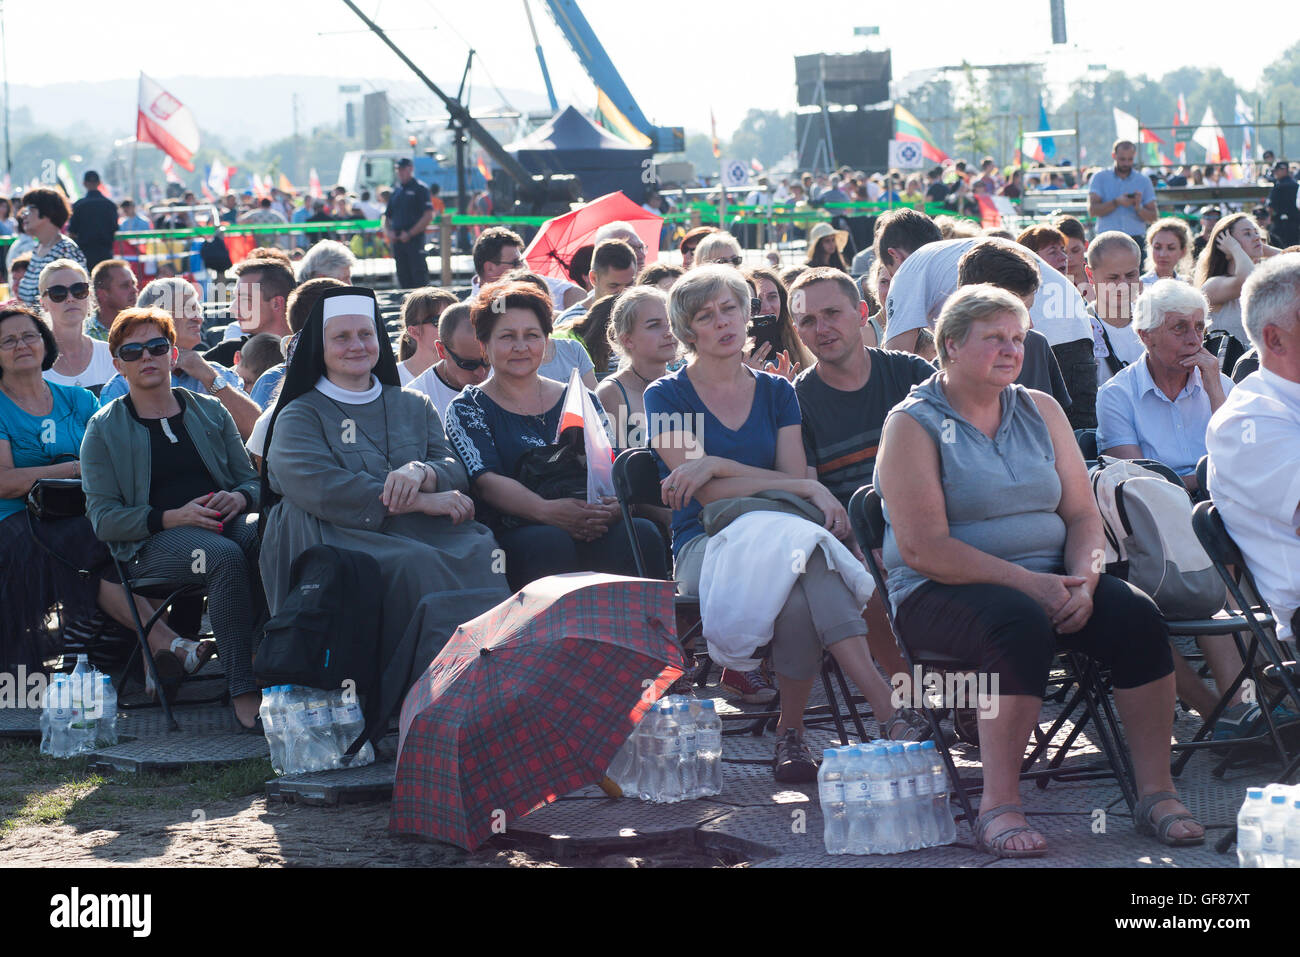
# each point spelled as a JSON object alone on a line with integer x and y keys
{"x": 1150, "y": 541}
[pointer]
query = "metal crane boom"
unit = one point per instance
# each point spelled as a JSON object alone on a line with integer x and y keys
{"x": 458, "y": 112}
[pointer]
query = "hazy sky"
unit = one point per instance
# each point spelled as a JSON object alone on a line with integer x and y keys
{"x": 679, "y": 57}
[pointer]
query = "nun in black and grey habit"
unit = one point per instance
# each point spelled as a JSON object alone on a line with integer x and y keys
{"x": 355, "y": 461}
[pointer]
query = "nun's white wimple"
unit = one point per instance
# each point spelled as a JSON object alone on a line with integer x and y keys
{"x": 336, "y": 306}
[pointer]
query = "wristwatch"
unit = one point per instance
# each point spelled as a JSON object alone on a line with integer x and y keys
{"x": 218, "y": 384}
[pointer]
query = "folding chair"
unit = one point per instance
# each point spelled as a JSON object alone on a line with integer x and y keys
{"x": 1256, "y": 618}
{"x": 1087, "y": 439}
{"x": 867, "y": 517}
{"x": 636, "y": 482}
{"x": 1222, "y": 624}
{"x": 169, "y": 593}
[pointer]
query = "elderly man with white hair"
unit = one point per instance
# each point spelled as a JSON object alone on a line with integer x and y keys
{"x": 330, "y": 259}
{"x": 1158, "y": 407}
{"x": 1254, "y": 442}
{"x": 624, "y": 231}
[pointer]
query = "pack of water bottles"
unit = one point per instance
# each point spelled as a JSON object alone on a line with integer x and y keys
{"x": 675, "y": 753}
{"x": 1268, "y": 827}
{"x": 309, "y": 730}
{"x": 78, "y": 712}
{"x": 884, "y": 798}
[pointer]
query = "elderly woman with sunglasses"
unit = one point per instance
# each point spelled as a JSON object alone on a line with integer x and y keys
{"x": 65, "y": 298}
{"x": 43, "y": 215}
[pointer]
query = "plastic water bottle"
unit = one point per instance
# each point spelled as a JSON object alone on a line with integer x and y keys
{"x": 348, "y": 724}
{"x": 106, "y": 726}
{"x": 668, "y": 754}
{"x": 271, "y": 711}
{"x": 1291, "y": 837}
{"x": 320, "y": 724}
{"x": 905, "y": 787}
{"x": 830, "y": 789}
{"x": 58, "y": 705}
{"x": 708, "y": 748}
{"x": 47, "y": 709}
{"x": 1250, "y": 829}
{"x": 623, "y": 769}
{"x": 647, "y": 775}
{"x": 923, "y": 780}
{"x": 84, "y": 712}
{"x": 939, "y": 792}
{"x": 1274, "y": 829}
{"x": 883, "y": 806}
{"x": 688, "y": 769}
{"x": 298, "y": 744}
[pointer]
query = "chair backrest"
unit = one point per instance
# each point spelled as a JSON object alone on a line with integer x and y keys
{"x": 867, "y": 517}
{"x": 1213, "y": 535}
{"x": 1203, "y": 475}
{"x": 636, "y": 478}
{"x": 1087, "y": 439}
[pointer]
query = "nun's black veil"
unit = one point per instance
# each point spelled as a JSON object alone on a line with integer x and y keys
{"x": 308, "y": 365}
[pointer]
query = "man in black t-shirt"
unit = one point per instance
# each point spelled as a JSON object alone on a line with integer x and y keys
{"x": 94, "y": 222}
{"x": 843, "y": 401}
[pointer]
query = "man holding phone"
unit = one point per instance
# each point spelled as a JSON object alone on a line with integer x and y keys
{"x": 1122, "y": 198}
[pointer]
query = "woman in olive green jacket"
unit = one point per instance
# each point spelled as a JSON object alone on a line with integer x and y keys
{"x": 170, "y": 490}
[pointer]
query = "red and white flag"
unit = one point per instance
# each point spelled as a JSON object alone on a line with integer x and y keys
{"x": 164, "y": 121}
{"x": 1210, "y": 136}
{"x": 313, "y": 184}
{"x": 169, "y": 171}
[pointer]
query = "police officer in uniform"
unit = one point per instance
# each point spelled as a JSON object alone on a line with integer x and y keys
{"x": 408, "y": 214}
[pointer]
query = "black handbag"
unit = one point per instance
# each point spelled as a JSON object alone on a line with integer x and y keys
{"x": 54, "y": 498}
{"x": 552, "y": 471}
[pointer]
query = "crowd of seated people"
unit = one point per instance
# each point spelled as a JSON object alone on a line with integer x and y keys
{"x": 182, "y": 451}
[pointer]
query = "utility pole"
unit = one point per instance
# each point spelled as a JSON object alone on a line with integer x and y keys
{"x": 4, "y": 52}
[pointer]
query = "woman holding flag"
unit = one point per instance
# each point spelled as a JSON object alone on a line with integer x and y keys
{"x": 495, "y": 426}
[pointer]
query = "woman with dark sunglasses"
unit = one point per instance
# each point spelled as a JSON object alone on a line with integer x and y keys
{"x": 420, "y": 311}
{"x": 460, "y": 363}
{"x": 65, "y": 299}
{"x": 43, "y": 215}
{"x": 170, "y": 491}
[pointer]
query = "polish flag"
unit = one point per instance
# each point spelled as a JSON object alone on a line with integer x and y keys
{"x": 164, "y": 121}
{"x": 1209, "y": 135}
{"x": 313, "y": 184}
{"x": 1180, "y": 119}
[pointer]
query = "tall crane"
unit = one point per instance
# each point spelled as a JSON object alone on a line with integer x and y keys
{"x": 615, "y": 102}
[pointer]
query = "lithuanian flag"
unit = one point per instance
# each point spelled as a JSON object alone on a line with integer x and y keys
{"x": 908, "y": 127}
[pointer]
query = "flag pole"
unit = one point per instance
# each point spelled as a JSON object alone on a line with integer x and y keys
{"x": 135, "y": 144}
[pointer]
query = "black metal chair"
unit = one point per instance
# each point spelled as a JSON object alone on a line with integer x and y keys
{"x": 1257, "y": 619}
{"x": 636, "y": 482}
{"x": 167, "y": 593}
{"x": 1087, "y": 439}
{"x": 867, "y": 517}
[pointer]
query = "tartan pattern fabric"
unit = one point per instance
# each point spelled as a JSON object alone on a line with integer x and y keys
{"x": 529, "y": 701}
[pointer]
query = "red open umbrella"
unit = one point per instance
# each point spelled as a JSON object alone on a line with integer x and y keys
{"x": 552, "y": 249}
{"x": 530, "y": 701}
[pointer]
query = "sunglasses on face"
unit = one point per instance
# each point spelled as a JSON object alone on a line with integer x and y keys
{"x": 469, "y": 365}
{"x": 79, "y": 290}
{"x": 133, "y": 351}
{"x": 726, "y": 261}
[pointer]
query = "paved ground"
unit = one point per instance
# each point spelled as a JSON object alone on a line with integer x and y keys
{"x": 340, "y": 817}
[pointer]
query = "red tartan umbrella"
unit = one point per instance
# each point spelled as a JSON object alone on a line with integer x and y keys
{"x": 555, "y": 244}
{"x": 530, "y": 701}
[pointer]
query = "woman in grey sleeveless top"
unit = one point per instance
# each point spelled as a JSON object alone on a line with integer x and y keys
{"x": 993, "y": 546}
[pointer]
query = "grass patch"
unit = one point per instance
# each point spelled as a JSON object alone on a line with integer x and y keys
{"x": 36, "y": 790}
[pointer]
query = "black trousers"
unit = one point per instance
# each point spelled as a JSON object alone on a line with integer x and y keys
{"x": 412, "y": 269}
{"x": 1003, "y": 632}
{"x": 535, "y": 551}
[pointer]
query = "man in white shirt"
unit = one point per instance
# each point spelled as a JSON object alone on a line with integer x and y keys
{"x": 460, "y": 364}
{"x": 923, "y": 270}
{"x": 1158, "y": 407}
{"x": 1254, "y": 442}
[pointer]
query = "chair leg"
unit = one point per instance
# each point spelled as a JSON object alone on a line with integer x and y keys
{"x": 142, "y": 634}
{"x": 848, "y": 700}
{"x": 1103, "y": 717}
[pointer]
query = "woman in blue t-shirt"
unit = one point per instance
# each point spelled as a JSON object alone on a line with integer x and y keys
{"x": 41, "y": 427}
{"x": 747, "y": 426}
{"x": 493, "y": 425}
